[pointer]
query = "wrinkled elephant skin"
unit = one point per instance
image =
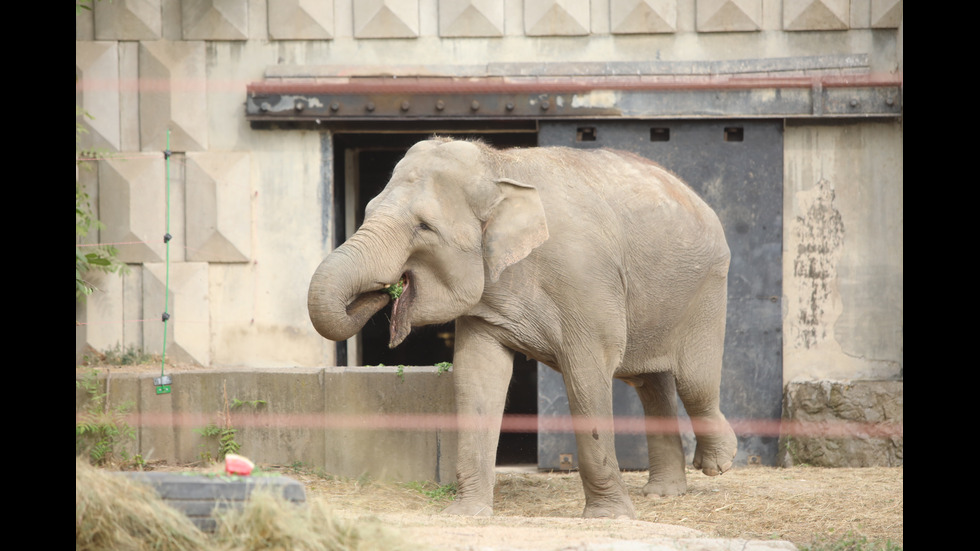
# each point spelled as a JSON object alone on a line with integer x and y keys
{"x": 600, "y": 264}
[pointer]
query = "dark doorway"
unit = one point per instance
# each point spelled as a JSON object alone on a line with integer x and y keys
{"x": 363, "y": 163}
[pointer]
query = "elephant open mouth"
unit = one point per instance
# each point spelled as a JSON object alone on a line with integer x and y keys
{"x": 401, "y": 323}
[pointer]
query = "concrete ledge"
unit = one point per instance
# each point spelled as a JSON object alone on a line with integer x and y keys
{"x": 842, "y": 424}
{"x": 379, "y": 422}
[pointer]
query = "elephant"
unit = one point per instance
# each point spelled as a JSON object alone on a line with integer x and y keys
{"x": 598, "y": 263}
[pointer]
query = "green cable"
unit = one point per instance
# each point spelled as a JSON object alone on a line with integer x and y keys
{"x": 166, "y": 240}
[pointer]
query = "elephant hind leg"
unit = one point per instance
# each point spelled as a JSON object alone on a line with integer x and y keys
{"x": 698, "y": 377}
{"x": 658, "y": 395}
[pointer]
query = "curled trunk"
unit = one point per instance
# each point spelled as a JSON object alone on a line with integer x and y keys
{"x": 340, "y": 299}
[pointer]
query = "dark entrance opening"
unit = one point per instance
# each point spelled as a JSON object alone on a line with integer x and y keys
{"x": 363, "y": 163}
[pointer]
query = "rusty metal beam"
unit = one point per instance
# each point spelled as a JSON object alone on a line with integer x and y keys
{"x": 507, "y": 98}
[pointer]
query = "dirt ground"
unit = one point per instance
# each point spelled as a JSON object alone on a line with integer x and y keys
{"x": 811, "y": 507}
{"x": 755, "y": 508}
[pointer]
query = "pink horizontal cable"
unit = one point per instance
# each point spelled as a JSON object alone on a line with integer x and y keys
{"x": 524, "y": 424}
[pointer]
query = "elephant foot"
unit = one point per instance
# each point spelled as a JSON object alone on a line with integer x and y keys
{"x": 715, "y": 453}
{"x": 469, "y": 509}
{"x": 620, "y": 509}
{"x": 663, "y": 488}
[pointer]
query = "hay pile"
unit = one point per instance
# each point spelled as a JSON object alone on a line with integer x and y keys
{"x": 112, "y": 512}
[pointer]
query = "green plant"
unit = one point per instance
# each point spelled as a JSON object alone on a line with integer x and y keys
{"x": 222, "y": 437}
{"x": 396, "y": 289}
{"x": 88, "y": 257}
{"x": 400, "y": 372}
{"x": 443, "y": 367}
{"x": 433, "y": 491}
{"x": 101, "y": 431}
{"x": 236, "y": 403}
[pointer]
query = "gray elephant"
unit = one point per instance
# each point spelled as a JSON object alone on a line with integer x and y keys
{"x": 600, "y": 264}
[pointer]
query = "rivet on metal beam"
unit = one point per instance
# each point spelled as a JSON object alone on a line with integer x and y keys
{"x": 440, "y": 105}
{"x": 405, "y": 105}
{"x": 475, "y": 105}
{"x": 854, "y": 103}
{"x": 335, "y": 106}
{"x": 510, "y": 106}
{"x": 265, "y": 106}
{"x": 299, "y": 105}
{"x": 545, "y": 105}
{"x": 369, "y": 106}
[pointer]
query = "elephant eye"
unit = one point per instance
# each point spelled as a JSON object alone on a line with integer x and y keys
{"x": 424, "y": 227}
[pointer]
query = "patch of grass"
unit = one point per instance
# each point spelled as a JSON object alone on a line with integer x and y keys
{"x": 433, "y": 491}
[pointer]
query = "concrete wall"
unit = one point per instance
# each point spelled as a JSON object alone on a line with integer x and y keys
{"x": 249, "y": 210}
{"x": 344, "y": 422}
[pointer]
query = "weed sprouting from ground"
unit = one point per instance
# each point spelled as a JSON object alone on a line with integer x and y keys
{"x": 433, "y": 491}
{"x": 101, "y": 432}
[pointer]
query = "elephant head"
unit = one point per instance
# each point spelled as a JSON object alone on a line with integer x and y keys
{"x": 447, "y": 224}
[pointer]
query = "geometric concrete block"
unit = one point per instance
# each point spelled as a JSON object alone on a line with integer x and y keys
{"x": 173, "y": 96}
{"x": 129, "y": 20}
{"x": 462, "y": 18}
{"x": 214, "y": 19}
{"x": 729, "y": 15}
{"x": 301, "y": 19}
{"x": 217, "y": 207}
{"x": 816, "y": 15}
{"x": 96, "y": 65}
{"x": 557, "y": 18}
{"x": 100, "y": 315}
{"x": 386, "y": 19}
{"x": 188, "y": 329}
{"x": 643, "y": 16}
{"x": 132, "y": 206}
{"x": 886, "y": 14}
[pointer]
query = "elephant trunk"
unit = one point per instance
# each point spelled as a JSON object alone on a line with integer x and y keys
{"x": 342, "y": 298}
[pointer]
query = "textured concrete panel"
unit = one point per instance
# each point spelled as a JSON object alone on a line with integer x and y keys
{"x": 214, "y": 19}
{"x": 96, "y": 73}
{"x": 132, "y": 203}
{"x": 729, "y": 15}
{"x": 129, "y": 20}
{"x": 386, "y": 19}
{"x": 557, "y": 18}
{"x": 188, "y": 331}
{"x": 101, "y": 315}
{"x": 886, "y": 14}
{"x": 301, "y": 19}
{"x": 173, "y": 96}
{"x": 643, "y": 16}
{"x": 816, "y": 15}
{"x": 218, "y": 207}
{"x": 460, "y": 18}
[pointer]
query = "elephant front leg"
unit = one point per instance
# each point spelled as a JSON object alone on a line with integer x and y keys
{"x": 482, "y": 369}
{"x": 590, "y": 402}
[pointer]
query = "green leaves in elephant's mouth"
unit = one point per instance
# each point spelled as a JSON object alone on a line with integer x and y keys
{"x": 403, "y": 294}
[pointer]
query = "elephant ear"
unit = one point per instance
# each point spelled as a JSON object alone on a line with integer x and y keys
{"x": 515, "y": 226}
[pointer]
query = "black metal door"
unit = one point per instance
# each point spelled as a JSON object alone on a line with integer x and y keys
{"x": 737, "y": 167}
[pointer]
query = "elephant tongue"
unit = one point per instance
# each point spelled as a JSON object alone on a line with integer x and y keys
{"x": 401, "y": 324}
